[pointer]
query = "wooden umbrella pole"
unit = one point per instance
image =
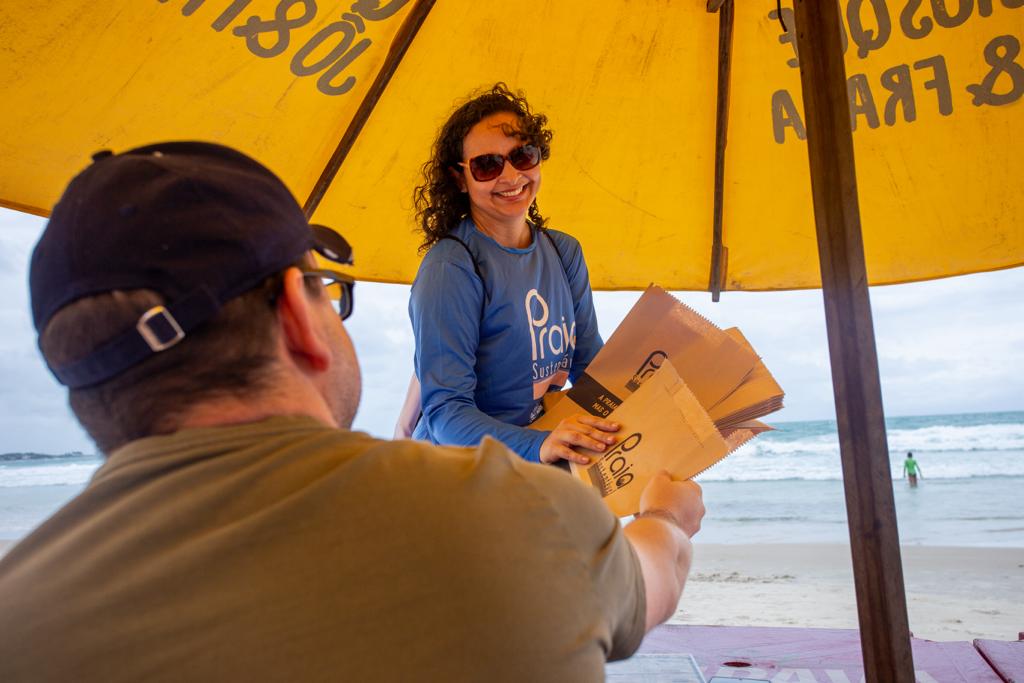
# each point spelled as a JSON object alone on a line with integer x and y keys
{"x": 871, "y": 511}
{"x": 406, "y": 33}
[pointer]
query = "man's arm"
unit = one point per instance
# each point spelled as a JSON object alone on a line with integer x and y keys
{"x": 670, "y": 513}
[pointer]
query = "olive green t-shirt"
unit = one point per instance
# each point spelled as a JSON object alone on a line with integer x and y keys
{"x": 284, "y": 550}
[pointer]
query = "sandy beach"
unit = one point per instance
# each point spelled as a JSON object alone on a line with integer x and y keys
{"x": 952, "y": 593}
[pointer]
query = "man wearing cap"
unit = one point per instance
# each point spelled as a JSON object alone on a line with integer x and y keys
{"x": 237, "y": 529}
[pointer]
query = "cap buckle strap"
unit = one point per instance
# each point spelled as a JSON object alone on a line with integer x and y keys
{"x": 159, "y": 339}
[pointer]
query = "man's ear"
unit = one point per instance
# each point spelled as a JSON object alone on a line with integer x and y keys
{"x": 301, "y": 333}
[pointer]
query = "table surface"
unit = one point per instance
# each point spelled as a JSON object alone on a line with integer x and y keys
{"x": 809, "y": 655}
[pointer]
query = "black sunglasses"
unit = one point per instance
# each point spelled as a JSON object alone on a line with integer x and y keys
{"x": 345, "y": 284}
{"x": 489, "y": 166}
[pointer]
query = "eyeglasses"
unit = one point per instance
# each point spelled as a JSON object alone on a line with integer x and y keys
{"x": 489, "y": 166}
{"x": 345, "y": 288}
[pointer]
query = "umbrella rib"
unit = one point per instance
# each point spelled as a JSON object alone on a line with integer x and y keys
{"x": 406, "y": 34}
{"x": 719, "y": 253}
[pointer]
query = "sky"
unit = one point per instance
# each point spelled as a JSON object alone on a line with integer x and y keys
{"x": 946, "y": 346}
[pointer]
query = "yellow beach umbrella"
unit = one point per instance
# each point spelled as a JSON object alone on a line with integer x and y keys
{"x": 679, "y": 154}
{"x": 630, "y": 89}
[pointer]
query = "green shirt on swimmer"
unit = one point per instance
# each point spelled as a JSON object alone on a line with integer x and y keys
{"x": 910, "y": 466}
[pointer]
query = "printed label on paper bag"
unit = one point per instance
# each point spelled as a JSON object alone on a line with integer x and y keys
{"x": 588, "y": 394}
{"x": 612, "y": 471}
{"x": 649, "y": 367}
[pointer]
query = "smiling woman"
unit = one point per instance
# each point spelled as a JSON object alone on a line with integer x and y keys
{"x": 501, "y": 307}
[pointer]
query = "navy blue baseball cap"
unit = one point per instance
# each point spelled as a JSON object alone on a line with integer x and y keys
{"x": 199, "y": 223}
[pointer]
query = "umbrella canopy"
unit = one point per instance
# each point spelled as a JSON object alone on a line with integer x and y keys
{"x": 630, "y": 89}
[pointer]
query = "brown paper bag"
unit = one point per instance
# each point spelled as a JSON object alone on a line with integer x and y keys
{"x": 664, "y": 427}
{"x": 658, "y": 327}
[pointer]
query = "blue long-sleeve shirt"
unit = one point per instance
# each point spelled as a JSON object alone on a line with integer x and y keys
{"x": 488, "y": 350}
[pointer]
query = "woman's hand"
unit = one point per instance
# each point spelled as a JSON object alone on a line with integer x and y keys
{"x": 582, "y": 430}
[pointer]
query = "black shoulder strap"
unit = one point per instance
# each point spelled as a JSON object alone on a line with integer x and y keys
{"x": 476, "y": 267}
{"x": 472, "y": 258}
{"x": 557, "y": 250}
{"x": 561, "y": 259}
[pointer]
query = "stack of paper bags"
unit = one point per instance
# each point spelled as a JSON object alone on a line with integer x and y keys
{"x": 756, "y": 396}
{"x": 685, "y": 392}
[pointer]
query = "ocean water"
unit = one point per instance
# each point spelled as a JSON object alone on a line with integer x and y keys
{"x": 786, "y": 486}
{"x": 783, "y": 487}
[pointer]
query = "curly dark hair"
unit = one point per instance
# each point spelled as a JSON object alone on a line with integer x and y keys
{"x": 440, "y": 204}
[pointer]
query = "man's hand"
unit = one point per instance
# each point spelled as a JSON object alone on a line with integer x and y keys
{"x": 582, "y": 430}
{"x": 682, "y": 500}
{"x": 670, "y": 513}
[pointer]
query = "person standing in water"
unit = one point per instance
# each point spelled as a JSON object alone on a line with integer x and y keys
{"x": 911, "y": 469}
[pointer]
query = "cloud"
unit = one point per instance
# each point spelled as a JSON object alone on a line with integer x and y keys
{"x": 33, "y": 407}
{"x": 382, "y": 334}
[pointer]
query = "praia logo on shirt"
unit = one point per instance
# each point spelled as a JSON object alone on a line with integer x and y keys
{"x": 551, "y": 345}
